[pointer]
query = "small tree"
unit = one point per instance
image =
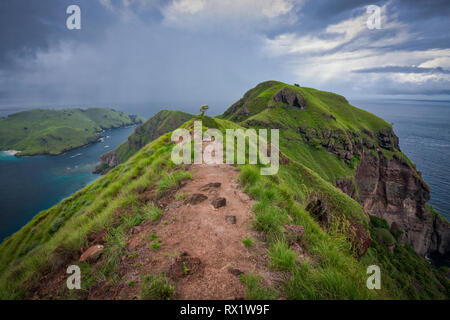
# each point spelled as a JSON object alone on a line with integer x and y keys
{"x": 203, "y": 110}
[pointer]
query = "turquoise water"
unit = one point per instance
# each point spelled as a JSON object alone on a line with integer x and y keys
{"x": 423, "y": 128}
{"x": 29, "y": 185}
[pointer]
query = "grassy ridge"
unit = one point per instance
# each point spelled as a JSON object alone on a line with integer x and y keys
{"x": 161, "y": 123}
{"x": 57, "y": 233}
{"x": 330, "y": 264}
{"x": 43, "y": 131}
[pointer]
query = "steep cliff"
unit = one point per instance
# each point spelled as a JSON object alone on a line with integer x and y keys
{"x": 366, "y": 162}
{"x": 392, "y": 189}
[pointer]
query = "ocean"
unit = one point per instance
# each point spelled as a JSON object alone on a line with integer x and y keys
{"x": 423, "y": 128}
{"x": 29, "y": 185}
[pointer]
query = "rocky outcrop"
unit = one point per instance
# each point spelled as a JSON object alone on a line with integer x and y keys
{"x": 393, "y": 190}
{"x": 440, "y": 238}
{"x": 92, "y": 254}
{"x": 196, "y": 198}
{"x": 344, "y": 144}
{"x": 356, "y": 231}
{"x": 347, "y": 186}
{"x": 106, "y": 162}
{"x": 388, "y": 140}
{"x": 219, "y": 202}
{"x": 389, "y": 188}
{"x": 290, "y": 97}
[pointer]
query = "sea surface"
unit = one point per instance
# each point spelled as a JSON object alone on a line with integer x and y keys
{"x": 29, "y": 185}
{"x": 423, "y": 128}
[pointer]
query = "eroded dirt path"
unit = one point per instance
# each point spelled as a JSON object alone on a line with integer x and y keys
{"x": 201, "y": 246}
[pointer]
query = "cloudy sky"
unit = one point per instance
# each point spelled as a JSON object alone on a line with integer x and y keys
{"x": 182, "y": 53}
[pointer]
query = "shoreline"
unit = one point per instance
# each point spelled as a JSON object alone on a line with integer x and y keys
{"x": 10, "y": 152}
{"x": 97, "y": 139}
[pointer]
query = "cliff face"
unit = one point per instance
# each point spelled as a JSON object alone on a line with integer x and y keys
{"x": 388, "y": 187}
{"x": 371, "y": 167}
{"x": 107, "y": 161}
{"x": 394, "y": 190}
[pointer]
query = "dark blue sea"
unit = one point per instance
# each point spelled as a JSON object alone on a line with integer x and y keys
{"x": 29, "y": 185}
{"x": 423, "y": 128}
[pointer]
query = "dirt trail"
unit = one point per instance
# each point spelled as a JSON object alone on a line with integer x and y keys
{"x": 202, "y": 233}
{"x": 195, "y": 243}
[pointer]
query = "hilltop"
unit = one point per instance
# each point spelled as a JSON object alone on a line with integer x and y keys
{"x": 345, "y": 197}
{"x": 47, "y": 131}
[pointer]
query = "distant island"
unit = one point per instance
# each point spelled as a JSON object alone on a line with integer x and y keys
{"x": 48, "y": 131}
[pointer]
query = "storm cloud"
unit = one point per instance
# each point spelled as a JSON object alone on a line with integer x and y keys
{"x": 184, "y": 53}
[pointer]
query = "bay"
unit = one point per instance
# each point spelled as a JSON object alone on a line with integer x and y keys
{"x": 29, "y": 185}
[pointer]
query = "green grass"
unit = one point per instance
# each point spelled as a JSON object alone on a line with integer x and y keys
{"x": 46, "y": 131}
{"x": 153, "y": 213}
{"x": 67, "y": 226}
{"x": 248, "y": 242}
{"x": 114, "y": 249}
{"x": 256, "y": 290}
{"x": 152, "y": 237}
{"x": 406, "y": 275}
{"x": 156, "y": 246}
{"x": 171, "y": 181}
{"x": 157, "y": 287}
{"x": 282, "y": 258}
{"x": 331, "y": 254}
{"x": 162, "y": 122}
{"x": 328, "y": 265}
{"x": 181, "y": 196}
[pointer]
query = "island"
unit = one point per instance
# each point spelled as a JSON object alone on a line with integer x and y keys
{"x": 50, "y": 131}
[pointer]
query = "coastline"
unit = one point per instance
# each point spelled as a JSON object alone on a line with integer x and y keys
{"x": 10, "y": 152}
{"x": 20, "y": 154}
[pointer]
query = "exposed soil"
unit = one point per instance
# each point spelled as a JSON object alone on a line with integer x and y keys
{"x": 201, "y": 239}
{"x": 197, "y": 243}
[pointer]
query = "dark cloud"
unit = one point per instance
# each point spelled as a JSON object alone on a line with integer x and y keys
{"x": 125, "y": 53}
{"x": 30, "y": 25}
{"x": 402, "y": 69}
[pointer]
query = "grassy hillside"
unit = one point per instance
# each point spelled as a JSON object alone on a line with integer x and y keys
{"x": 161, "y": 123}
{"x": 44, "y": 131}
{"x": 340, "y": 240}
{"x": 328, "y": 117}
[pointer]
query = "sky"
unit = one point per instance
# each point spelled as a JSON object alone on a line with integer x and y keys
{"x": 184, "y": 53}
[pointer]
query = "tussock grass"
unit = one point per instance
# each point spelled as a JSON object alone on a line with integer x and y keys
{"x": 114, "y": 248}
{"x": 332, "y": 272}
{"x": 31, "y": 251}
{"x": 282, "y": 258}
{"x": 256, "y": 290}
{"x": 157, "y": 287}
{"x": 181, "y": 196}
{"x": 170, "y": 182}
{"x": 248, "y": 242}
